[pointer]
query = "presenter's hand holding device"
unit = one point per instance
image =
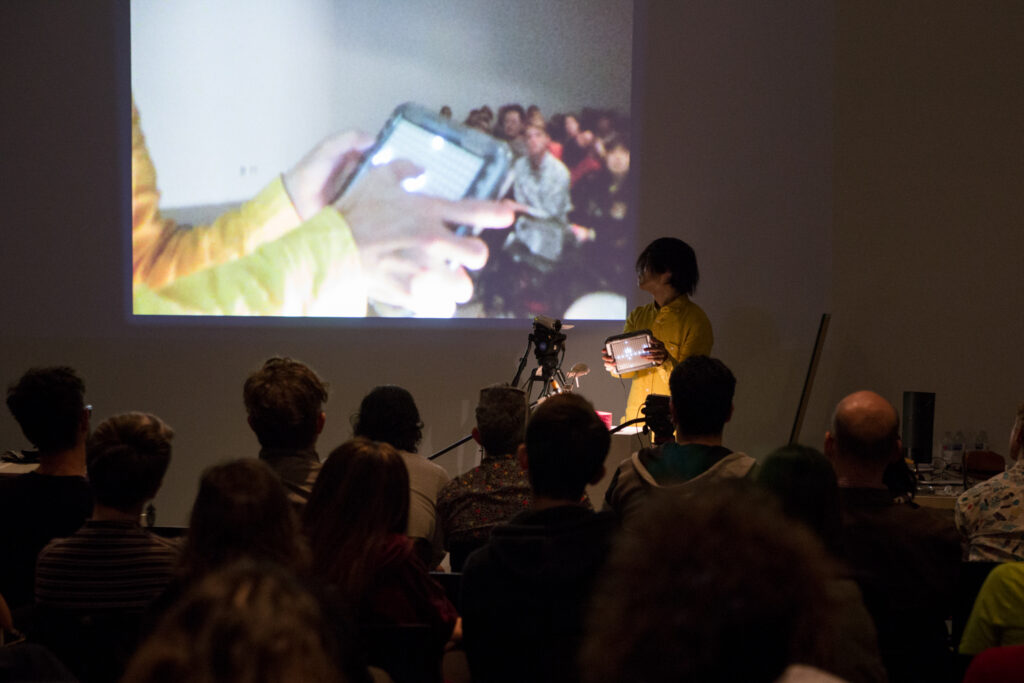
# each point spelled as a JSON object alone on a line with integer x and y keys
{"x": 632, "y": 351}
{"x": 421, "y": 177}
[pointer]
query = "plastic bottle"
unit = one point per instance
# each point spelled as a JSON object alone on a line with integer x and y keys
{"x": 981, "y": 441}
{"x": 959, "y": 441}
{"x": 945, "y": 452}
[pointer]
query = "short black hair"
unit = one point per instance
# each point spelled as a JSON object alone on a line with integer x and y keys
{"x": 805, "y": 483}
{"x": 566, "y": 444}
{"x": 284, "y": 399}
{"x": 671, "y": 255}
{"x": 501, "y": 419}
{"x": 702, "y": 390}
{"x": 48, "y": 403}
{"x": 127, "y": 457}
{"x": 389, "y": 414}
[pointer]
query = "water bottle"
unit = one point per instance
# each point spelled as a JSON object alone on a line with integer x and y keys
{"x": 945, "y": 452}
{"x": 957, "y": 458}
{"x": 981, "y": 441}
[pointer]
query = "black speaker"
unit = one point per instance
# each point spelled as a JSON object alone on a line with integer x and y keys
{"x": 918, "y": 425}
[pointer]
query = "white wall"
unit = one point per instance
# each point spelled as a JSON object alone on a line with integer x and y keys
{"x": 736, "y": 157}
{"x": 253, "y": 84}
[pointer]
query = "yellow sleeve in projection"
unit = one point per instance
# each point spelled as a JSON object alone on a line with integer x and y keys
{"x": 312, "y": 271}
{"x": 259, "y": 259}
{"x": 163, "y": 251}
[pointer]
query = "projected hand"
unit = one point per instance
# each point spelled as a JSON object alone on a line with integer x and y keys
{"x": 409, "y": 257}
{"x": 656, "y": 351}
{"x": 316, "y": 180}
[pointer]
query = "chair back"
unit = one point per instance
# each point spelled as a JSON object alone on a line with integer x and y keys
{"x": 980, "y": 465}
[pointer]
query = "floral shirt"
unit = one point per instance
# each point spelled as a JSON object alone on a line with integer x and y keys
{"x": 990, "y": 518}
{"x": 469, "y": 506}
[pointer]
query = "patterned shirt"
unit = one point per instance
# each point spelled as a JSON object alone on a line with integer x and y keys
{"x": 990, "y": 518}
{"x": 495, "y": 491}
{"x": 105, "y": 565}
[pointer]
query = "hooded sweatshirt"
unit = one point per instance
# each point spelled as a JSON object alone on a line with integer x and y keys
{"x": 524, "y": 594}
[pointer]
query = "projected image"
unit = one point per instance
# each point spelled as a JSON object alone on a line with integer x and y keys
{"x": 466, "y": 159}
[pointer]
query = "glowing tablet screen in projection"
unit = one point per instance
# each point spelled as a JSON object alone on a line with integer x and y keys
{"x": 320, "y": 158}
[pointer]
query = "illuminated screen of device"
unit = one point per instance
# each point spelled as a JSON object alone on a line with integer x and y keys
{"x": 448, "y": 170}
{"x": 232, "y": 94}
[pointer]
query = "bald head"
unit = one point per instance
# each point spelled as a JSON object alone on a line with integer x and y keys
{"x": 865, "y": 427}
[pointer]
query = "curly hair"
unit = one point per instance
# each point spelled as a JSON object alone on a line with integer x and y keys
{"x": 249, "y": 622}
{"x": 389, "y": 414}
{"x": 284, "y": 399}
{"x": 720, "y": 579}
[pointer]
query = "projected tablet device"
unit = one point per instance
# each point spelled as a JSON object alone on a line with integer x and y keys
{"x": 457, "y": 161}
{"x": 628, "y": 351}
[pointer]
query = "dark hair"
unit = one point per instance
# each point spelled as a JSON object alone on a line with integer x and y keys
{"x": 284, "y": 399}
{"x": 389, "y": 414}
{"x": 48, "y": 403}
{"x": 621, "y": 140}
{"x": 719, "y": 570}
{"x": 671, "y": 255}
{"x": 804, "y": 481}
{"x": 501, "y": 419}
{"x": 242, "y": 510}
{"x": 360, "y": 497}
{"x": 249, "y": 622}
{"x": 127, "y": 457}
{"x": 566, "y": 444}
{"x": 702, "y": 389}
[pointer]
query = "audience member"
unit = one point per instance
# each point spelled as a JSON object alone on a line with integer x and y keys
{"x": 990, "y": 516}
{"x": 524, "y": 592}
{"x": 601, "y": 202}
{"x": 542, "y": 185}
{"x": 805, "y": 484}
{"x": 241, "y": 512}
{"x": 702, "y": 392}
{"x": 718, "y": 586}
{"x": 249, "y": 622}
{"x": 355, "y": 522}
{"x": 497, "y": 489}
{"x": 511, "y": 119}
{"x": 55, "y": 499}
{"x": 905, "y": 559}
{"x": 111, "y": 563}
{"x": 389, "y": 414}
{"x": 284, "y": 401}
{"x": 997, "y": 619}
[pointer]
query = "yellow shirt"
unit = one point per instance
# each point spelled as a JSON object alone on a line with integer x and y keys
{"x": 684, "y": 329}
{"x": 259, "y": 259}
{"x": 998, "y": 615}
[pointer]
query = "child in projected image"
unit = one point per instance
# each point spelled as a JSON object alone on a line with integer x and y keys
{"x": 299, "y": 249}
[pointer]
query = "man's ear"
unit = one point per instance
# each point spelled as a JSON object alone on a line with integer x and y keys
{"x": 732, "y": 407}
{"x": 830, "y": 446}
{"x": 897, "y": 455}
{"x": 321, "y": 419}
{"x": 248, "y": 420}
{"x": 476, "y": 436}
{"x": 597, "y": 477}
{"x": 524, "y": 460}
{"x": 672, "y": 411}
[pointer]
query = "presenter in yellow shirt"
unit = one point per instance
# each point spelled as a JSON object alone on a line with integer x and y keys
{"x": 667, "y": 270}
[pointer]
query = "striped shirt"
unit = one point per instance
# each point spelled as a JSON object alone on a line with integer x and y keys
{"x": 106, "y": 565}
